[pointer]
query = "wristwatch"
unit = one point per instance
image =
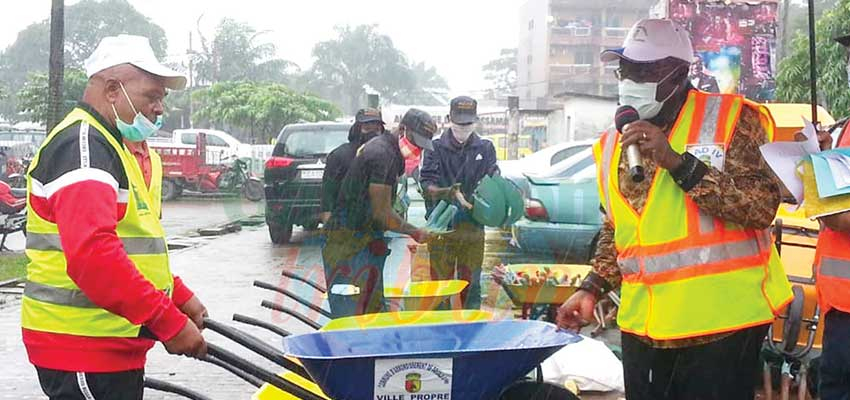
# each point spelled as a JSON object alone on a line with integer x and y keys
{"x": 690, "y": 172}
{"x": 596, "y": 285}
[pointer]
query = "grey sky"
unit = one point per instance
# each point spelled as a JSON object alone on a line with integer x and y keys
{"x": 456, "y": 36}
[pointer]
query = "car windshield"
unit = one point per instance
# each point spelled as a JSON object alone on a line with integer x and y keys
{"x": 567, "y": 153}
{"x": 571, "y": 167}
{"x": 307, "y": 143}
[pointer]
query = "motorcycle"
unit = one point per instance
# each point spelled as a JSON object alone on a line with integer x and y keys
{"x": 13, "y": 213}
{"x": 234, "y": 178}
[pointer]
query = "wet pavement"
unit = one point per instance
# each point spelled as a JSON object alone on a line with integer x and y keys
{"x": 183, "y": 217}
{"x": 221, "y": 271}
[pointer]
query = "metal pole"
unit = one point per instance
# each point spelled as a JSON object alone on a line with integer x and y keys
{"x": 56, "y": 66}
{"x": 512, "y": 137}
{"x": 813, "y": 71}
{"x": 784, "y": 33}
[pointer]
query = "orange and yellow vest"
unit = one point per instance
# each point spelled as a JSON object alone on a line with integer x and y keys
{"x": 832, "y": 269}
{"x": 687, "y": 273}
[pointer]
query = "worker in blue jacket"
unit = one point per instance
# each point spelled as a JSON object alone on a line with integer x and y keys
{"x": 451, "y": 172}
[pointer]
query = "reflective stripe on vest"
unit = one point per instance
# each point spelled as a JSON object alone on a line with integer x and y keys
{"x": 835, "y": 268}
{"x": 52, "y": 302}
{"x": 832, "y": 269}
{"x": 696, "y": 256}
{"x": 679, "y": 262}
{"x": 132, "y": 245}
{"x": 56, "y": 295}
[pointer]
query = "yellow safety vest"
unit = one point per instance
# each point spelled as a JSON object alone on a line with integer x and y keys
{"x": 51, "y": 301}
{"x": 686, "y": 273}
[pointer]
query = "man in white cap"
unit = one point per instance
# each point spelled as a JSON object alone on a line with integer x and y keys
{"x": 99, "y": 291}
{"x": 688, "y": 246}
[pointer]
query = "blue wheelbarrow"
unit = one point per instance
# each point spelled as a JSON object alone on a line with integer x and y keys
{"x": 467, "y": 360}
{"x": 449, "y": 361}
{"x": 472, "y": 360}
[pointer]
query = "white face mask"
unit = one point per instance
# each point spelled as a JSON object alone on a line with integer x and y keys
{"x": 462, "y": 132}
{"x": 642, "y": 96}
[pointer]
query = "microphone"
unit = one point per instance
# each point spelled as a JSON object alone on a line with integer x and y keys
{"x": 626, "y": 115}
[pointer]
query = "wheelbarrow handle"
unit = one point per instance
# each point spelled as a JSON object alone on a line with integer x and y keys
{"x": 277, "y": 307}
{"x": 263, "y": 374}
{"x": 253, "y": 381}
{"x": 162, "y": 386}
{"x": 293, "y": 276}
{"x": 261, "y": 324}
{"x": 256, "y": 345}
{"x": 293, "y": 296}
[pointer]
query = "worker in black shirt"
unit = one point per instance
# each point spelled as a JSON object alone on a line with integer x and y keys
{"x": 355, "y": 250}
{"x": 457, "y": 164}
{"x": 367, "y": 124}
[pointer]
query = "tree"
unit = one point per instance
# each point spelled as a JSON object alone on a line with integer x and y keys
{"x": 426, "y": 87}
{"x": 33, "y": 97}
{"x": 86, "y": 23}
{"x": 792, "y": 80}
{"x": 502, "y": 73}
{"x": 798, "y": 18}
{"x": 57, "y": 63}
{"x": 359, "y": 58}
{"x": 236, "y": 53}
{"x": 260, "y": 108}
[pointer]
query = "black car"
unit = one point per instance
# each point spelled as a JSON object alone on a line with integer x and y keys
{"x": 293, "y": 176}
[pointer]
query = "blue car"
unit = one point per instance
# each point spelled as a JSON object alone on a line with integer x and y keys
{"x": 562, "y": 218}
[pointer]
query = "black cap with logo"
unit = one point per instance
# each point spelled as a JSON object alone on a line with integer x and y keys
{"x": 365, "y": 115}
{"x": 464, "y": 110}
{"x": 422, "y": 127}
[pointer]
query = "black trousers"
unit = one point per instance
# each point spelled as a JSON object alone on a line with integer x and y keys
{"x": 727, "y": 369}
{"x": 64, "y": 385}
{"x": 835, "y": 358}
{"x": 460, "y": 255}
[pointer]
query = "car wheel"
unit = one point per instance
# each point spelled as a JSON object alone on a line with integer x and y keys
{"x": 170, "y": 190}
{"x": 253, "y": 190}
{"x": 280, "y": 233}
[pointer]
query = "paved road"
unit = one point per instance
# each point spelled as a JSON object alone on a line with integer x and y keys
{"x": 185, "y": 216}
{"x": 221, "y": 271}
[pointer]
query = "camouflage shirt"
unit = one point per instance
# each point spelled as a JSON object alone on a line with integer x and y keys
{"x": 746, "y": 193}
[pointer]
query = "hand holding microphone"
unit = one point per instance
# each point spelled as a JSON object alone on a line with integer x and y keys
{"x": 626, "y": 115}
{"x": 642, "y": 139}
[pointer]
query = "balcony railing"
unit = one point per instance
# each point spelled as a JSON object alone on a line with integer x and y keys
{"x": 571, "y": 69}
{"x": 619, "y": 33}
{"x": 579, "y": 31}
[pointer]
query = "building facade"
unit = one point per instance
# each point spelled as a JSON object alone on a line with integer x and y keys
{"x": 560, "y": 42}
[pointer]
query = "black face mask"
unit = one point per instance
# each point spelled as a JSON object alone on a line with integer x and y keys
{"x": 365, "y": 137}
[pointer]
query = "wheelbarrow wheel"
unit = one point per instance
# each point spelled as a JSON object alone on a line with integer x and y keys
{"x": 794, "y": 321}
{"x": 529, "y": 390}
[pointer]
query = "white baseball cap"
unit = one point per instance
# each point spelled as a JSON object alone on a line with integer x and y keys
{"x": 135, "y": 50}
{"x": 653, "y": 40}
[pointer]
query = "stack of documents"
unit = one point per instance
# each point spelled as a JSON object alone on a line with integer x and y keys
{"x": 819, "y": 181}
{"x": 784, "y": 158}
{"x": 816, "y": 206}
{"x": 832, "y": 172}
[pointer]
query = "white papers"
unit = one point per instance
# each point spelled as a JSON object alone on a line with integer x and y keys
{"x": 839, "y": 166}
{"x": 783, "y": 158}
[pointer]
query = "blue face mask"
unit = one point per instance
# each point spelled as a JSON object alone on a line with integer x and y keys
{"x": 141, "y": 129}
